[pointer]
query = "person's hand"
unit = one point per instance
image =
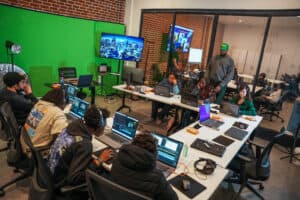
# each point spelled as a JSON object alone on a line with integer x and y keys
{"x": 106, "y": 155}
{"x": 217, "y": 88}
{"x": 174, "y": 82}
{"x": 27, "y": 89}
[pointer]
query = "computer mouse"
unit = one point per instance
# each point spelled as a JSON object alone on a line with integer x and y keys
{"x": 186, "y": 184}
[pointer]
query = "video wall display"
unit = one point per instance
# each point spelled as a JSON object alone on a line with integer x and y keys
{"x": 181, "y": 39}
{"x": 121, "y": 47}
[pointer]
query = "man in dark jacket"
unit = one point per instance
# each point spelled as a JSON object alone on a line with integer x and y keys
{"x": 71, "y": 153}
{"x": 135, "y": 168}
{"x": 19, "y": 95}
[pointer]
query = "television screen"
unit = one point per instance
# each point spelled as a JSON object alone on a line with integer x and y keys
{"x": 121, "y": 47}
{"x": 195, "y": 56}
{"x": 182, "y": 38}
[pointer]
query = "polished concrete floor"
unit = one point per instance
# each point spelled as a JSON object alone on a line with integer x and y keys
{"x": 283, "y": 183}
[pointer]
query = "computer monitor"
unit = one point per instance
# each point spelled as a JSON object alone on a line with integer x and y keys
{"x": 204, "y": 112}
{"x": 124, "y": 125}
{"x": 195, "y": 56}
{"x": 127, "y": 74}
{"x": 138, "y": 76}
{"x": 79, "y": 106}
{"x": 168, "y": 150}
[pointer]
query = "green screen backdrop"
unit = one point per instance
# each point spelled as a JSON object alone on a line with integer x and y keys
{"x": 49, "y": 41}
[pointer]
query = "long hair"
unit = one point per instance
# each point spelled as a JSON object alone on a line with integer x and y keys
{"x": 244, "y": 86}
{"x": 55, "y": 96}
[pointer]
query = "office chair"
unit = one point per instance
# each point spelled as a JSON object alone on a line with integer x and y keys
{"x": 291, "y": 153}
{"x": 68, "y": 72}
{"x": 4, "y": 134}
{"x": 252, "y": 170}
{"x": 15, "y": 157}
{"x": 42, "y": 186}
{"x": 273, "y": 109}
{"x": 104, "y": 189}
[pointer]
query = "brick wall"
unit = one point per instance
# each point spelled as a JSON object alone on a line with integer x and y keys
{"x": 102, "y": 10}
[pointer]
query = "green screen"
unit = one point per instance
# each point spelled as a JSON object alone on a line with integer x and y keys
{"x": 50, "y": 41}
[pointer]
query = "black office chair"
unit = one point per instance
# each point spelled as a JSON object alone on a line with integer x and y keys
{"x": 68, "y": 72}
{"x": 42, "y": 186}
{"x": 104, "y": 189}
{"x": 15, "y": 157}
{"x": 253, "y": 170}
{"x": 291, "y": 149}
{"x": 4, "y": 134}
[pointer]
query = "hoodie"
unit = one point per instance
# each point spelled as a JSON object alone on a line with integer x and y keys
{"x": 70, "y": 154}
{"x": 135, "y": 168}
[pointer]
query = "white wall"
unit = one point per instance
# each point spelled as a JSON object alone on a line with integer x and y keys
{"x": 133, "y": 7}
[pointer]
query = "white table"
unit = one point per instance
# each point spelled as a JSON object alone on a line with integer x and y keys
{"x": 232, "y": 85}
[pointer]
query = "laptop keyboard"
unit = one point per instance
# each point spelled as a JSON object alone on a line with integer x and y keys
{"x": 236, "y": 133}
{"x": 208, "y": 147}
{"x": 116, "y": 138}
{"x": 212, "y": 123}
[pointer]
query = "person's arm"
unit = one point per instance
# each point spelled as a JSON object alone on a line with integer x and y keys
{"x": 22, "y": 103}
{"x": 250, "y": 109}
{"x": 229, "y": 75}
{"x": 82, "y": 156}
{"x": 233, "y": 100}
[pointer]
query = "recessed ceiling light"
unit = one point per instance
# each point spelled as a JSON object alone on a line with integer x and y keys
{"x": 240, "y": 20}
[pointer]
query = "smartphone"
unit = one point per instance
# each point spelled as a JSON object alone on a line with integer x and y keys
{"x": 197, "y": 126}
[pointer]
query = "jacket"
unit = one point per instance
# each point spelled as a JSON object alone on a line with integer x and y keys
{"x": 173, "y": 88}
{"x": 71, "y": 154}
{"x": 20, "y": 104}
{"x": 246, "y": 108}
{"x": 135, "y": 168}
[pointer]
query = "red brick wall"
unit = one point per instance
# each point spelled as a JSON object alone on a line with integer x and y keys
{"x": 102, "y": 10}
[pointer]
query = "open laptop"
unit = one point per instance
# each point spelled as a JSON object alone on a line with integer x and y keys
{"x": 78, "y": 108}
{"x": 82, "y": 81}
{"x": 204, "y": 117}
{"x": 189, "y": 99}
{"x": 230, "y": 109}
{"x": 123, "y": 131}
{"x": 163, "y": 91}
{"x": 71, "y": 90}
{"x": 168, "y": 153}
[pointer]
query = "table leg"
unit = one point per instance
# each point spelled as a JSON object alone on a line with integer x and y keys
{"x": 123, "y": 103}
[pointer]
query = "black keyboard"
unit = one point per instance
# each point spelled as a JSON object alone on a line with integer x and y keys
{"x": 236, "y": 133}
{"x": 212, "y": 123}
{"x": 109, "y": 161}
{"x": 116, "y": 138}
{"x": 208, "y": 147}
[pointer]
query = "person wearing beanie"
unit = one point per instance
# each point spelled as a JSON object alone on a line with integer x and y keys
{"x": 46, "y": 120}
{"x": 220, "y": 71}
{"x": 135, "y": 168}
{"x": 18, "y": 94}
{"x": 71, "y": 153}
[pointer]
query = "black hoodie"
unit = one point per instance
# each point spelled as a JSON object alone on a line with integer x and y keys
{"x": 134, "y": 168}
{"x": 74, "y": 156}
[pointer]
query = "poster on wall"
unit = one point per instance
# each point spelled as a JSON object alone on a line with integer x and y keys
{"x": 182, "y": 38}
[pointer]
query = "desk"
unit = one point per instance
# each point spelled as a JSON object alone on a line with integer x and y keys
{"x": 246, "y": 76}
{"x": 232, "y": 85}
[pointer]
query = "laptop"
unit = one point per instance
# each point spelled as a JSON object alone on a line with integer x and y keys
{"x": 71, "y": 91}
{"x": 189, "y": 99}
{"x": 82, "y": 81}
{"x": 163, "y": 91}
{"x": 168, "y": 153}
{"x": 230, "y": 109}
{"x": 123, "y": 131}
{"x": 204, "y": 117}
{"x": 78, "y": 108}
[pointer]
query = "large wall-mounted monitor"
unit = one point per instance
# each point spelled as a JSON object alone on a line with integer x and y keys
{"x": 195, "y": 56}
{"x": 121, "y": 47}
{"x": 182, "y": 38}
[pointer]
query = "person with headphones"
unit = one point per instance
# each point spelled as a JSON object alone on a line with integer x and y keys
{"x": 71, "y": 153}
{"x": 243, "y": 99}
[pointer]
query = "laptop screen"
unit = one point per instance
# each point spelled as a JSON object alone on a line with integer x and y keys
{"x": 168, "y": 150}
{"x": 71, "y": 90}
{"x": 124, "y": 125}
{"x": 204, "y": 112}
{"x": 84, "y": 80}
{"x": 79, "y": 106}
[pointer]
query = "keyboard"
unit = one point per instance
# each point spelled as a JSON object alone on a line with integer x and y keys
{"x": 109, "y": 161}
{"x": 116, "y": 138}
{"x": 208, "y": 147}
{"x": 236, "y": 133}
{"x": 212, "y": 123}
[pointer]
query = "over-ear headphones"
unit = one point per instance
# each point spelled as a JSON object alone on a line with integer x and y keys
{"x": 205, "y": 166}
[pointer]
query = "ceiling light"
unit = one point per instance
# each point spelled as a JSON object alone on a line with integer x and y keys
{"x": 240, "y": 21}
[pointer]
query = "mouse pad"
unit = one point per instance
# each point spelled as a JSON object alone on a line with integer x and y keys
{"x": 196, "y": 188}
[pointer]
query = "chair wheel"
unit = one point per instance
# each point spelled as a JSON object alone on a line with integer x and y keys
{"x": 261, "y": 187}
{"x": 2, "y": 193}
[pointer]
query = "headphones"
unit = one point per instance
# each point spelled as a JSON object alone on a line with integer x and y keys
{"x": 97, "y": 123}
{"x": 205, "y": 166}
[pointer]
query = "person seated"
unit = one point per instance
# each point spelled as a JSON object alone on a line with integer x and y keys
{"x": 18, "y": 94}
{"x": 135, "y": 168}
{"x": 71, "y": 153}
{"x": 262, "y": 81}
{"x": 205, "y": 93}
{"x": 173, "y": 84}
{"x": 272, "y": 96}
{"x": 46, "y": 120}
{"x": 243, "y": 99}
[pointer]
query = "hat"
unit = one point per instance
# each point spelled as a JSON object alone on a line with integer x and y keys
{"x": 224, "y": 47}
{"x": 12, "y": 78}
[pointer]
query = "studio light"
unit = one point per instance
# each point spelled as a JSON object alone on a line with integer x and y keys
{"x": 12, "y": 49}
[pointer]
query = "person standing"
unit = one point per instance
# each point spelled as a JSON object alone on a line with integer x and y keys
{"x": 220, "y": 71}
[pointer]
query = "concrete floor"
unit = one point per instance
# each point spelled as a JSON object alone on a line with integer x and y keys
{"x": 283, "y": 183}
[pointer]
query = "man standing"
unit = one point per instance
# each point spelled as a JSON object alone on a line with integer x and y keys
{"x": 220, "y": 71}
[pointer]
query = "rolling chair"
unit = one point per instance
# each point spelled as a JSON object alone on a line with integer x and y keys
{"x": 291, "y": 152}
{"x": 104, "y": 189}
{"x": 252, "y": 170}
{"x": 68, "y": 72}
{"x": 42, "y": 185}
{"x": 15, "y": 157}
